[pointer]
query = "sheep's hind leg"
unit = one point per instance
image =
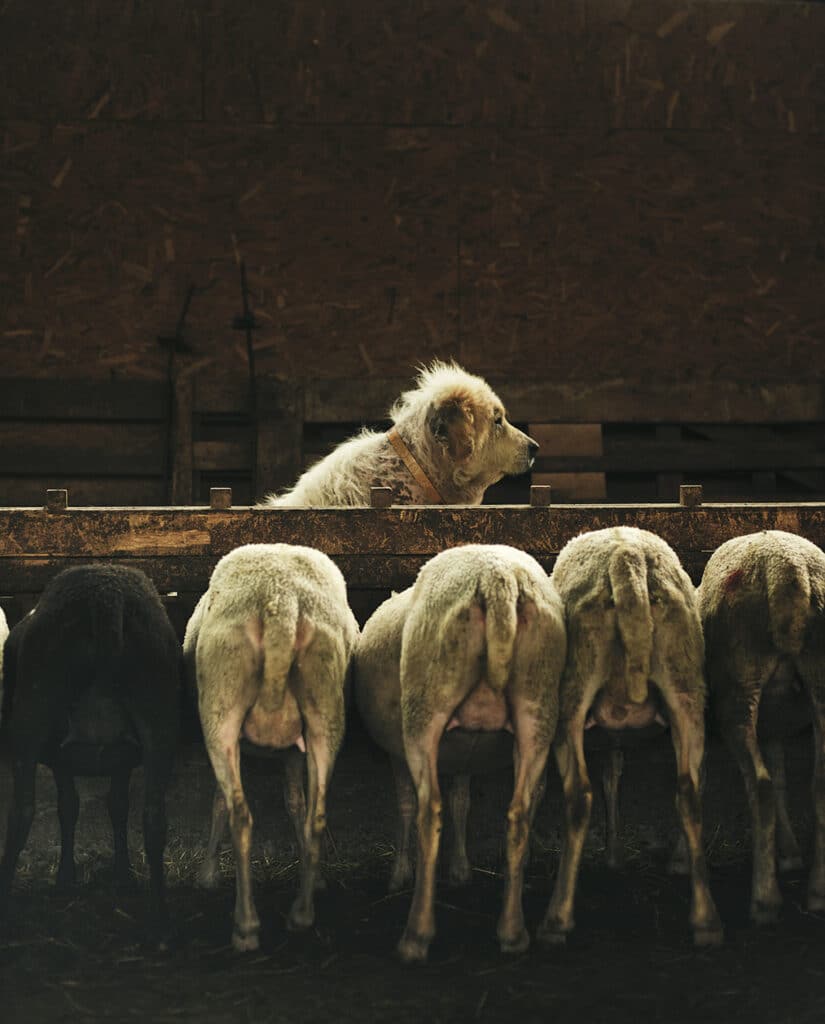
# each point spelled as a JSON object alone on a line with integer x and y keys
{"x": 208, "y": 873}
{"x": 21, "y": 815}
{"x": 458, "y": 799}
{"x": 688, "y": 734}
{"x": 402, "y": 871}
{"x": 611, "y": 779}
{"x": 68, "y": 809}
{"x": 117, "y": 803}
{"x": 790, "y": 858}
{"x": 422, "y": 758}
{"x": 578, "y": 802}
{"x": 530, "y": 758}
{"x": 812, "y": 670}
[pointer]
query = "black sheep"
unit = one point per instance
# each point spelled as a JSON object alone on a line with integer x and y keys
{"x": 92, "y": 687}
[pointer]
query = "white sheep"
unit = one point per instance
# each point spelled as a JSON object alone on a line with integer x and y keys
{"x": 377, "y": 689}
{"x": 634, "y": 654}
{"x": 4, "y": 632}
{"x": 477, "y": 644}
{"x": 271, "y": 642}
{"x": 762, "y": 602}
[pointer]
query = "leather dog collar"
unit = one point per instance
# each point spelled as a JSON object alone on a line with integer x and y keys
{"x": 421, "y": 478}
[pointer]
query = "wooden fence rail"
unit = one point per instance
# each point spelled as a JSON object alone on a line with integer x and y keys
{"x": 376, "y": 548}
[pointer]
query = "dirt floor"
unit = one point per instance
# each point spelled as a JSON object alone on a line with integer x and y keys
{"x": 81, "y": 956}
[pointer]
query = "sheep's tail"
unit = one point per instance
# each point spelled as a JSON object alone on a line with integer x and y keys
{"x": 280, "y": 633}
{"x": 627, "y": 571}
{"x": 498, "y": 595}
{"x": 789, "y": 601}
{"x": 105, "y": 608}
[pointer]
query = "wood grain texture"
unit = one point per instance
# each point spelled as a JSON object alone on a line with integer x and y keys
{"x": 539, "y": 188}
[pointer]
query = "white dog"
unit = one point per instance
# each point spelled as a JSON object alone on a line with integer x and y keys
{"x": 449, "y": 442}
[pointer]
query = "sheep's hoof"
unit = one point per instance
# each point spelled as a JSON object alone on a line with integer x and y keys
{"x": 520, "y": 944}
{"x": 678, "y": 865}
{"x": 460, "y": 873}
{"x": 412, "y": 949}
{"x": 401, "y": 877}
{"x": 553, "y": 933}
{"x": 816, "y": 902}
{"x": 708, "y": 935}
{"x": 207, "y": 878}
{"x": 300, "y": 918}
{"x": 765, "y": 913}
{"x": 245, "y": 942}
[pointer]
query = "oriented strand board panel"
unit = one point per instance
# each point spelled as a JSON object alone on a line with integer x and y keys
{"x": 101, "y": 59}
{"x": 594, "y": 65}
{"x": 400, "y": 63}
{"x": 349, "y": 239}
{"x": 708, "y": 66}
{"x": 679, "y": 255}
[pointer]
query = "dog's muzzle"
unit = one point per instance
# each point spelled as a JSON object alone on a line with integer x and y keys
{"x": 532, "y": 448}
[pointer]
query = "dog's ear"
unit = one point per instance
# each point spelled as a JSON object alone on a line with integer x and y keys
{"x": 451, "y": 423}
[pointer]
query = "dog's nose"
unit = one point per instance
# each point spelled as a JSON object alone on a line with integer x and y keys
{"x": 532, "y": 448}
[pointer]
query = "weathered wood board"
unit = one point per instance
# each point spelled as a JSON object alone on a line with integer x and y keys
{"x": 376, "y": 548}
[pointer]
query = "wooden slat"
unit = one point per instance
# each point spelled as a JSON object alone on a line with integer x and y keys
{"x": 641, "y": 456}
{"x": 567, "y": 438}
{"x": 25, "y": 399}
{"x": 84, "y": 490}
{"x": 209, "y": 456}
{"x": 574, "y": 486}
{"x": 82, "y": 449}
{"x": 583, "y": 401}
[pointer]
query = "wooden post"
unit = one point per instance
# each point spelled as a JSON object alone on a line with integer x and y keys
{"x": 280, "y": 435}
{"x": 540, "y": 495}
{"x": 57, "y": 500}
{"x": 380, "y": 497}
{"x": 220, "y": 497}
{"x": 182, "y": 451}
{"x": 690, "y": 495}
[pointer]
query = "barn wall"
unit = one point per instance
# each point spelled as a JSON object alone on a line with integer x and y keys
{"x": 539, "y": 188}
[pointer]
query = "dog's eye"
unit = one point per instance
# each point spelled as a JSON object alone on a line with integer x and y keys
{"x": 499, "y": 419}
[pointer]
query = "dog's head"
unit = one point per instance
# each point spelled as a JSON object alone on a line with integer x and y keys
{"x": 468, "y": 424}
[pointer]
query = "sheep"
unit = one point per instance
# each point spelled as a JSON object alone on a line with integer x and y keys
{"x": 482, "y": 645}
{"x": 4, "y": 632}
{"x": 270, "y": 644}
{"x": 93, "y": 687}
{"x": 633, "y": 623}
{"x": 377, "y": 691}
{"x": 762, "y": 603}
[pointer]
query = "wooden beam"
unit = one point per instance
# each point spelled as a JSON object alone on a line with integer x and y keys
{"x": 377, "y": 548}
{"x": 32, "y": 399}
{"x": 617, "y": 400}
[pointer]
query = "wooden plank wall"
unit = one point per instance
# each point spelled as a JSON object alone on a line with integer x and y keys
{"x": 140, "y": 443}
{"x": 541, "y": 189}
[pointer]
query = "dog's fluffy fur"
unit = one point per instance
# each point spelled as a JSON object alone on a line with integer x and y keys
{"x": 456, "y": 428}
